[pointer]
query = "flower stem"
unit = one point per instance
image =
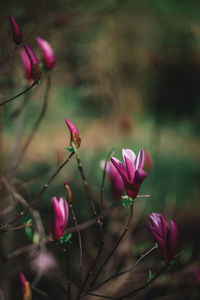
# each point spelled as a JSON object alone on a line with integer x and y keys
{"x": 116, "y": 245}
{"x": 126, "y": 271}
{"x": 6, "y": 227}
{"x": 20, "y": 94}
{"x": 80, "y": 244}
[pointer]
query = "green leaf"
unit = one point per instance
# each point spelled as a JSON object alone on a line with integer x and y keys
{"x": 27, "y": 219}
{"x": 65, "y": 238}
{"x": 70, "y": 149}
{"x": 126, "y": 201}
{"x": 29, "y": 233}
{"x": 150, "y": 277}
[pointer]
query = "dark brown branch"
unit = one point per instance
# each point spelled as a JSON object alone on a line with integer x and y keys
{"x": 20, "y": 94}
{"x": 116, "y": 245}
{"x": 6, "y": 227}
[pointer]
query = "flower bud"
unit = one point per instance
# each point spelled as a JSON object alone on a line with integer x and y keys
{"x": 47, "y": 52}
{"x": 36, "y": 73}
{"x": 165, "y": 236}
{"x": 25, "y": 288}
{"x": 74, "y": 134}
{"x": 17, "y": 36}
{"x": 60, "y": 214}
{"x": 26, "y": 62}
{"x": 70, "y": 195}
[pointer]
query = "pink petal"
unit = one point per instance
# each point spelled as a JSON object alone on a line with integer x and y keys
{"x": 139, "y": 163}
{"x": 26, "y": 61}
{"x": 71, "y": 126}
{"x": 128, "y": 157}
{"x": 47, "y": 52}
{"x": 17, "y": 36}
{"x": 120, "y": 168}
{"x": 31, "y": 55}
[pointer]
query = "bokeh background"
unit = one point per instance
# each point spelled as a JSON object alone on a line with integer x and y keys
{"x": 127, "y": 74}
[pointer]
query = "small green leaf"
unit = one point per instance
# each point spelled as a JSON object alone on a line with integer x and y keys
{"x": 27, "y": 219}
{"x": 65, "y": 238}
{"x": 70, "y": 149}
{"x": 29, "y": 233}
{"x": 126, "y": 201}
{"x": 150, "y": 277}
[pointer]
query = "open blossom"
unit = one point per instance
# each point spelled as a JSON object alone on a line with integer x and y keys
{"x": 116, "y": 182}
{"x": 26, "y": 62}
{"x": 47, "y": 52}
{"x": 35, "y": 68}
{"x": 74, "y": 133}
{"x": 166, "y": 238}
{"x": 131, "y": 171}
{"x": 17, "y": 36}
{"x": 60, "y": 214}
{"x": 25, "y": 288}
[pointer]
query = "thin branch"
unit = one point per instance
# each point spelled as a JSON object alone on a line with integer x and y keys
{"x": 101, "y": 296}
{"x": 6, "y": 227}
{"x": 116, "y": 245}
{"x": 80, "y": 244}
{"x": 126, "y": 271}
{"x": 85, "y": 183}
{"x": 136, "y": 291}
{"x": 20, "y": 94}
{"x": 35, "y": 127}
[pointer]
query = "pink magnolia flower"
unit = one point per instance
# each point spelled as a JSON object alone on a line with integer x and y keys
{"x": 131, "y": 171}
{"x": 116, "y": 182}
{"x": 61, "y": 214}
{"x": 47, "y": 52}
{"x": 25, "y": 288}
{"x": 167, "y": 238}
{"x": 35, "y": 68}
{"x": 27, "y": 65}
{"x": 74, "y": 133}
{"x": 17, "y": 35}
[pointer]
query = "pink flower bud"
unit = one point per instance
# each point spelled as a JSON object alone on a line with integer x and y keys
{"x": 26, "y": 62}
{"x": 60, "y": 214}
{"x": 47, "y": 52}
{"x": 17, "y": 36}
{"x": 25, "y": 288}
{"x": 131, "y": 171}
{"x": 35, "y": 68}
{"x": 74, "y": 133}
{"x": 167, "y": 238}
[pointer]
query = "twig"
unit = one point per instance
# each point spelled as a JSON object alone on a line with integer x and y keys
{"x": 116, "y": 245}
{"x": 80, "y": 243}
{"x": 35, "y": 127}
{"x": 98, "y": 219}
{"x": 6, "y": 227}
{"x": 101, "y": 296}
{"x": 20, "y": 94}
{"x": 136, "y": 291}
{"x": 85, "y": 183}
{"x": 126, "y": 271}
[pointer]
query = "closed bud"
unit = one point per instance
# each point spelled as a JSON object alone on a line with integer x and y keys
{"x": 74, "y": 133}
{"x": 70, "y": 195}
{"x": 36, "y": 72}
{"x": 17, "y": 36}
{"x": 25, "y": 288}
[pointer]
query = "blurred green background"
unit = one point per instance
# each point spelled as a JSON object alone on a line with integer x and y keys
{"x": 127, "y": 74}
